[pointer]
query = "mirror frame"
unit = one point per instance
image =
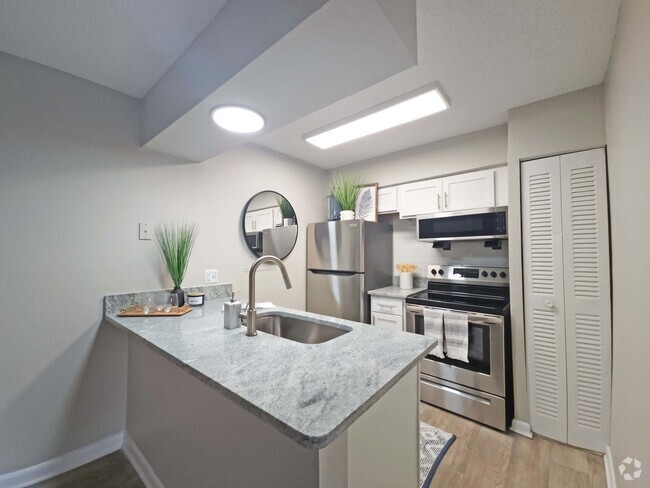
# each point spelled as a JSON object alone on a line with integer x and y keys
{"x": 243, "y": 223}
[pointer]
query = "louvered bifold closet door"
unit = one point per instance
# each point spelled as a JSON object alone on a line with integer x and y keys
{"x": 544, "y": 296}
{"x": 587, "y": 297}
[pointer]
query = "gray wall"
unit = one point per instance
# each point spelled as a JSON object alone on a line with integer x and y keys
{"x": 481, "y": 149}
{"x": 566, "y": 123}
{"x": 627, "y": 100}
{"x": 73, "y": 186}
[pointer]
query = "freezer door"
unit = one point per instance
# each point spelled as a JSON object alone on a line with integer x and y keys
{"x": 336, "y": 294}
{"x": 335, "y": 246}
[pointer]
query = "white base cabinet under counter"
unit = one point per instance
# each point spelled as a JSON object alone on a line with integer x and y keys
{"x": 393, "y": 322}
{"x": 387, "y": 312}
{"x": 387, "y": 307}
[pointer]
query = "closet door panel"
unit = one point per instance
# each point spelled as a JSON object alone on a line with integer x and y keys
{"x": 587, "y": 301}
{"x": 544, "y": 296}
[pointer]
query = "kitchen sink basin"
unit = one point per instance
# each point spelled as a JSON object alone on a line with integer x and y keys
{"x": 298, "y": 330}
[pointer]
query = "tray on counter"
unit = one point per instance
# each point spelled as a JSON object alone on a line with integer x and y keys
{"x": 138, "y": 311}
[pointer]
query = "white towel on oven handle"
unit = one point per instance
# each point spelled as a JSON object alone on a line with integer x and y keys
{"x": 434, "y": 327}
{"x": 456, "y": 336}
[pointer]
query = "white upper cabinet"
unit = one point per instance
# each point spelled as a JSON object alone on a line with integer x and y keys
{"x": 501, "y": 186}
{"x": 387, "y": 200}
{"x": 266, "y": 218}
{"x": 249, "y": 222}
{"x": 277, "y": 217}
{"x": 419, "y": 198}
{"x": 469, "y": 190}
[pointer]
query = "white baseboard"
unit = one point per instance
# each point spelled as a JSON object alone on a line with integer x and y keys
{"x": 140, "y": 464}
{"x": 59, "y": 465}
{"x": 610, "y": 473}
{"x": 522, "y": 428}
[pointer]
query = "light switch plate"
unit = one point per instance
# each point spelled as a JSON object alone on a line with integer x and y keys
{"x": 211, "y": 276}
{"x": 145, "y": 231}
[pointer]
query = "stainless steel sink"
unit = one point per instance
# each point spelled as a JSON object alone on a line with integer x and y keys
{"x": 298, "y": 330}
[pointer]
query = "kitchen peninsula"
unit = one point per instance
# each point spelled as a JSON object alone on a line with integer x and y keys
{"x": 207, "y": 406}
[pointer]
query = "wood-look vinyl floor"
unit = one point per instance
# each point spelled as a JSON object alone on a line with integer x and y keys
{"x": 112, "y": 471}
{"x": 485, "y": 458}
{"x": 479, "y": 458}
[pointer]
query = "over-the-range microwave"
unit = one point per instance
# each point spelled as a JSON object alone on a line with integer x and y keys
{"x": 466, "y": 225}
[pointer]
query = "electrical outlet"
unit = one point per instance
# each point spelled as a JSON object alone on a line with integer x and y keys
{"x": 211, "y": 276}
{"x": 145, "y": 231}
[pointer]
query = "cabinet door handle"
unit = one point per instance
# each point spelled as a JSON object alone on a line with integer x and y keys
{"x": 382, "y": 305}
{"x": 446, "y": 199}
{"x": 438, "y": 201}
{"x": 386, "y": 320}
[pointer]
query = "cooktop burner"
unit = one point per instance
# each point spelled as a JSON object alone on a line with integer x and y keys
{"x": 472, "y": 289}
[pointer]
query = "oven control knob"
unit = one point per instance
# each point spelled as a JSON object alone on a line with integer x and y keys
{"x": 502, "y": 274}
{"x": 493, "y": 274}
{"x": 441, "y": 272}
{"x": 433, "y": 272}
{"x": 484, "y": 274}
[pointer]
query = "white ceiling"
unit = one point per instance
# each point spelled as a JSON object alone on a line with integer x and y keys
{"x": 126, "y": 45}
{"x": 488, "y": 55}
{"x": 295, "y": 76}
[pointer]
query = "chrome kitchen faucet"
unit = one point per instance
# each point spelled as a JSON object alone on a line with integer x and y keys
{"x": 251, "y": 314}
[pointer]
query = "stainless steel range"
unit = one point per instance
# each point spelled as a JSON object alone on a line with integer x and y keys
{"x": 481, "y": 388}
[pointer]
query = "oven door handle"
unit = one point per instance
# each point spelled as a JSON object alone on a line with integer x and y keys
{"x": 415, "y": 310}
{"x": 472, "y": 318}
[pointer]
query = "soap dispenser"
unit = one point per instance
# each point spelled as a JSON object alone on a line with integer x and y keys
{"x": 231, "y": 311}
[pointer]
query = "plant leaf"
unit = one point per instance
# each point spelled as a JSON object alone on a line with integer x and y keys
{"x": 346, "y": 190}
{"x": 175, "y": 243}
{"x": 365, "y": 205}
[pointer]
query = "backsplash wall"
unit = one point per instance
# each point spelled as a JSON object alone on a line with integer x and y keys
{"x": 407, "y": 249}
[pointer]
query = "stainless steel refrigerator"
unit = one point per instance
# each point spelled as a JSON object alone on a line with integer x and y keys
{"x": 346, "y": 259}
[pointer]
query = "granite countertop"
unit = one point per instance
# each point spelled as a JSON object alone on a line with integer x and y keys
{"x": 394, "y": 292}
{"x": 309, "y": 392}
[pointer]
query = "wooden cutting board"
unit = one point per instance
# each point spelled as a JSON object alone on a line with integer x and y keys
{"x": 138, "y": 311}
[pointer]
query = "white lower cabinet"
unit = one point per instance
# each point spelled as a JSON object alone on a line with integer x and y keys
{"x": 393, "y": 322}
{"x": 387, "y": 312}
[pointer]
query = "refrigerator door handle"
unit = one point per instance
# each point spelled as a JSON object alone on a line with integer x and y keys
{"x": 329, "y": 272}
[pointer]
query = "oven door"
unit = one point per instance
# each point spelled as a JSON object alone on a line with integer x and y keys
{"x": 486, "y": 368}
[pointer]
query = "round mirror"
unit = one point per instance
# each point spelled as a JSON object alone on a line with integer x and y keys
{"x": 269, "y": 225}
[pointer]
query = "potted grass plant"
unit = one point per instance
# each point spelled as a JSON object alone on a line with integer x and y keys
{"x": 345, "y": 190}
{"x": 175, "y": 242}
{"x": 287, "y": 211}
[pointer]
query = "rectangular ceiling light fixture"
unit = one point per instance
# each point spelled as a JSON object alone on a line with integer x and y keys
{"x": 415, "y": 105}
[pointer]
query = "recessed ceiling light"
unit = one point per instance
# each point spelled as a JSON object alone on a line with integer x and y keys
{"x": 407, "y": 108}
{"x": 237, "y": 118}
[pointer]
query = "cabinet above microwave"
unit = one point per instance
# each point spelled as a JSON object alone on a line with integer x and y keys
{"x": 477, "y": 224}
{"x": 466, "y": 191}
